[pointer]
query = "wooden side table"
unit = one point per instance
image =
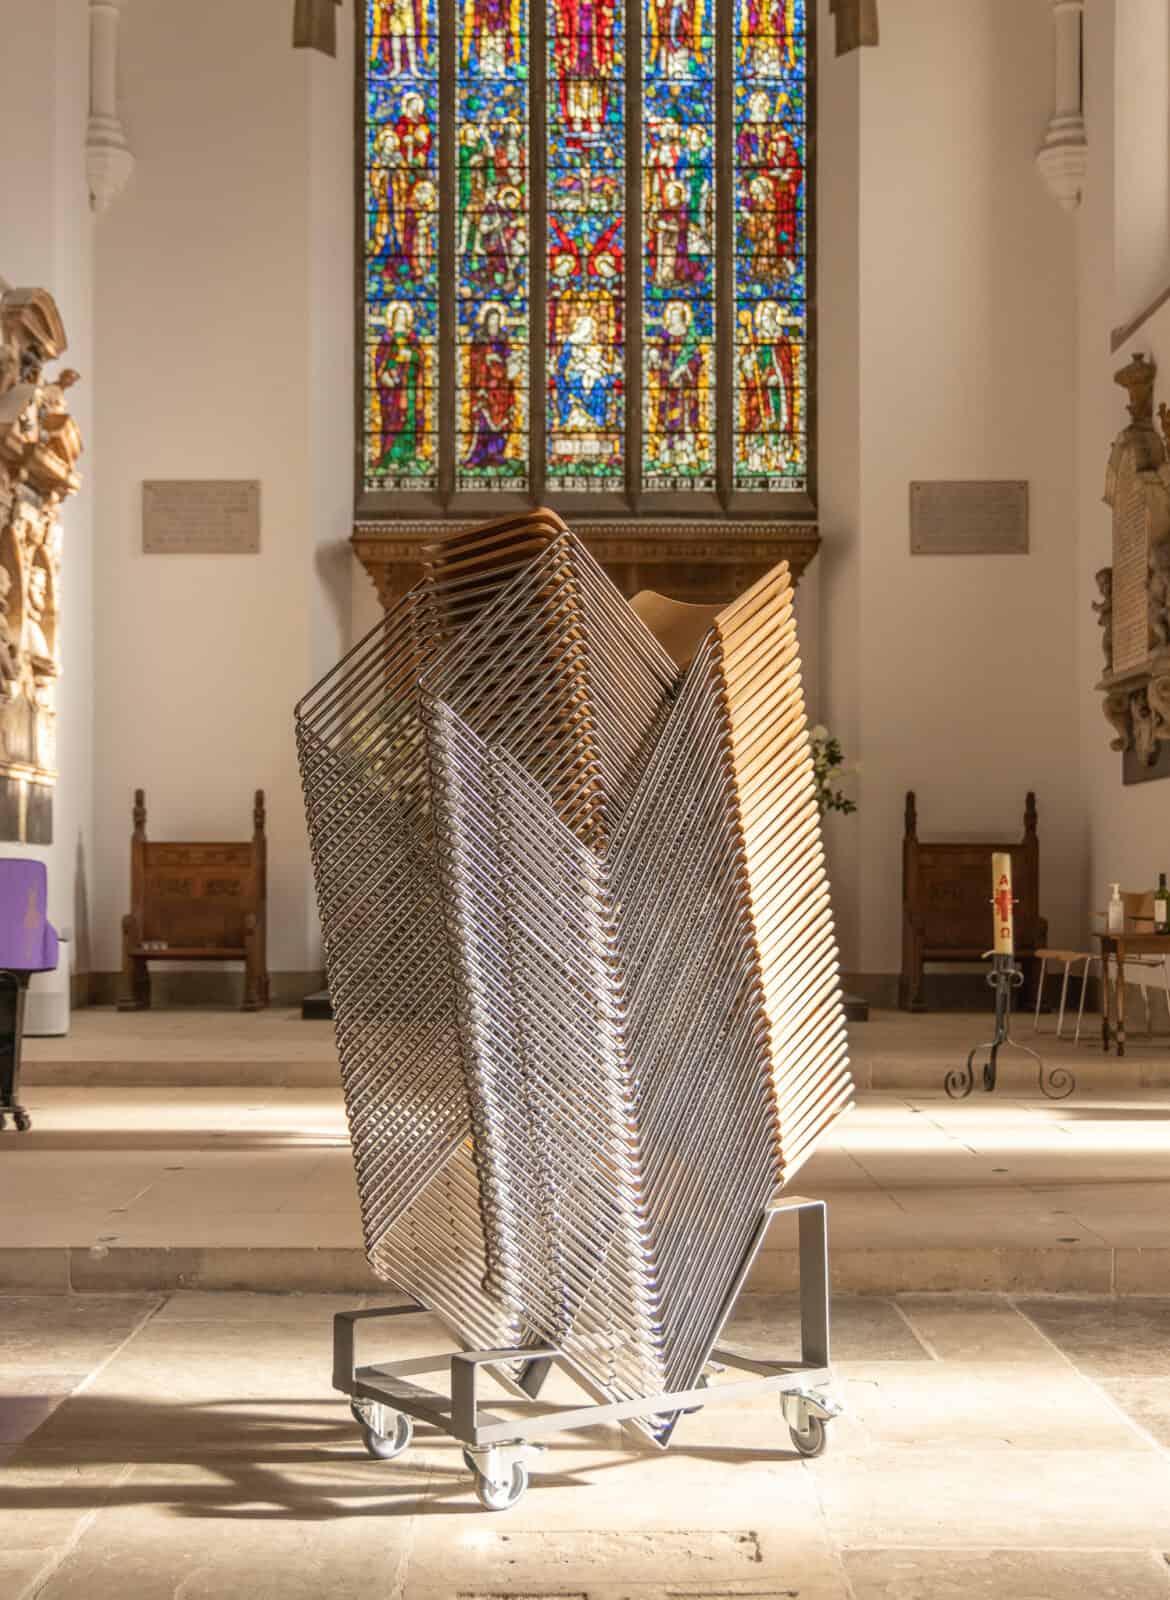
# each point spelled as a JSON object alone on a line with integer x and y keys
{"x": 1119, "y": 948}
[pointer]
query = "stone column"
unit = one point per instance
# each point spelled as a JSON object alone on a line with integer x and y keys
{"x": 1063, "y": 157}
{"x": 108, "y": 158}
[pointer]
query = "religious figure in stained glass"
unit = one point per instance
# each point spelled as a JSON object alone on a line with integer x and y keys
{"x": 399, "y": 35}
{"x": 767, "y": 389}
{"x": 680, "y": 393}
{"x": 768, "y": 37}
{"x": 491, "y": 36}
{"x": 493, "y": 383}
{"x": 584, "y": 53}
{"x": 676, "y": 38}
{"x": 402, "y": 382}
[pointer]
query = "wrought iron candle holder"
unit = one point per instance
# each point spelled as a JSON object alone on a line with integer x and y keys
{"x": 1004, "y": 979}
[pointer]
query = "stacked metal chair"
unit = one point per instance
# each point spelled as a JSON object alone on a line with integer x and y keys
{"x": 580, "y": 952}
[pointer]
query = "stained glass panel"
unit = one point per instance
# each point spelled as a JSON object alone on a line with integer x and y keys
{"x": 705, "y": 70}
{"x": 585, "y": 307}
{"x": 771, "y": 365}
{"x": 491, "y": 244}
{"x": 678, "y": 273}
{"x": 402, "y": 283}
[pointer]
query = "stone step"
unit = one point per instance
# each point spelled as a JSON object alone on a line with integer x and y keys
{"x": 1122, "y": 1271}
{"x": 146, "y": 1073}
{"x": 1144, "y": 1067}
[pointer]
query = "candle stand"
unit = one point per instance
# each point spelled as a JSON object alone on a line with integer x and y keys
{"x": 1004, "y": 978}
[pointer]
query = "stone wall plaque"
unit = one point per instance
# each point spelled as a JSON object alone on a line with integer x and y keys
{"x": 969, "y": 518}
{"x": 201, "y": 517}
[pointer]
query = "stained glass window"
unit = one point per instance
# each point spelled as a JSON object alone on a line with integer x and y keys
{"x": 585, "y": 310}
{"x": 515, "y": 152}
{"x": 770, "y": 258}
{"x": 491, "y": 244}
{"x": 402, "y": 273}
{"x": 678, "y": 273}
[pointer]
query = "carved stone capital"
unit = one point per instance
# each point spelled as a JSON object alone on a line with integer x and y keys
{"x": 315, "y": 26}
{"x": 1063, "y": 158}
{"x": 109, "y": 161}
{"x": 857, "y": 24}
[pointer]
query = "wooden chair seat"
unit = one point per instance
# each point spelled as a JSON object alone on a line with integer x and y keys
{"x": 194, "y": 952}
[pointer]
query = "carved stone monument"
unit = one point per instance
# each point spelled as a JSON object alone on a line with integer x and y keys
{"x": 39, "y": 447}
{"x": 1134, "y": 608}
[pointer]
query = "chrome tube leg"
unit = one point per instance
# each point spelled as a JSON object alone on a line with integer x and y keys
{"x": 1081, "y": 1007}
{"x": 814, "y": 1286}
{"x": 1039, "y": 994}
{"x": 1063, "y": 1000}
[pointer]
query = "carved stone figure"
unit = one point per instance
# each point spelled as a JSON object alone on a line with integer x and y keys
{"x": 1145, "y": 727}
{"x": 9, "y": 650}
{"x": 39, "y": 449}
{"x": 1134, "y": 609}
{"x": 1159, "y": 595}
{"x": 1104, "y": 610}
{"x": 1158, "y": 694}
{"x": 1116, "y": 710}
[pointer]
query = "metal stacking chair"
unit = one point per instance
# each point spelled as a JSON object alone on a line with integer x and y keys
{"x": 583, "y": 969}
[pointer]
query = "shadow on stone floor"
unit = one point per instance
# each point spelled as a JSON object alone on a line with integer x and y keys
{"x": 251, "y": 1461}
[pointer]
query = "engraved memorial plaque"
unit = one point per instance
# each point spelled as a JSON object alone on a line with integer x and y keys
{"x": 974, "y": 518}
{"x": 1131, "y": 565}
{"x": 206, "y": 517}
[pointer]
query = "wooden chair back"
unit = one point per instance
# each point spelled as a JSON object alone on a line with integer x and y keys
{"x": 194, "y": 895}
{"x": 946, "y": 895}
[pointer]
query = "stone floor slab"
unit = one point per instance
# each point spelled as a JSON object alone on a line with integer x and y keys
{"x": 1006, "y": 1575}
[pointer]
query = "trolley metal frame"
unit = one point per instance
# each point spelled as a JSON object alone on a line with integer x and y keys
{"x": 385, "y": 1400}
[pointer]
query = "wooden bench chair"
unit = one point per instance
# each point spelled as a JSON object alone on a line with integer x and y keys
{"x": 195, "y": 902}
{"x": 946, "y": 902}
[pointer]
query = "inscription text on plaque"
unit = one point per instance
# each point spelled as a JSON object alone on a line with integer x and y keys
{"x": 205, "y": 517}
{"x": 969, "y": 518}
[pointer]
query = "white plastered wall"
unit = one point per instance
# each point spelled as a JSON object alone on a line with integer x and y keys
{"x": 224, "y": 314}
{"x": 948, "y": 352}
{"x": 45, "y": 242}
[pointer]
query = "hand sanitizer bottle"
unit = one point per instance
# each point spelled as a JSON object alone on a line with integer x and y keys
{"x": 1115, "y": 916}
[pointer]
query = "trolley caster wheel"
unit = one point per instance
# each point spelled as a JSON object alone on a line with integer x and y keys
{"x": 23, "y": 1121}
{"x": 384, "y": 1448}
{"x": 810, "y": 1440}
{"x": 501, "y": 1496}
